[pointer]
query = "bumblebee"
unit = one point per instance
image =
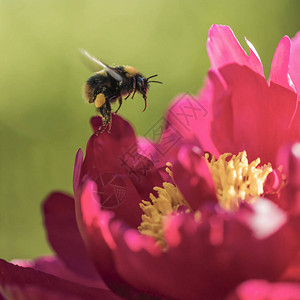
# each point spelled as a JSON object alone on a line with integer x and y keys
{"x": 111, "y": 84}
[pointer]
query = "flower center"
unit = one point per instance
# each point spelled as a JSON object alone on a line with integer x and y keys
{"x": 236, "y": 180}
{"x": 167, "y": 202}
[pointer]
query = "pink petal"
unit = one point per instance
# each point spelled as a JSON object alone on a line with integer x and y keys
{"x": 64, "y": 236}
{"x": 292, "y": 273}
{"x": 147, "y": 148}
{"x": 77, "y": 169}
{"x": 270, "y": 226}
{"x": 295, "y": 62}
{"x": 280, "y": 63}
{"x": 123, "y": 176}
{"x": 104, "y": 151}
{"x": 18, "y": 283}
{"x": 94, "y": 225}
{"x": 256, "y": 218}
{"x": 188, "y": 120}
{"x": 289, "y": 156}
{"x": 222, "y": 135}
{"x": 254, "y": 59}
{"x": 223, "y": 48}
{"x": 54, "y": 266}
{"x": 193, "y": 178}
{"x": 262, "y": 290}
{"x": 152, "y": 151}
{"x": 273, "y": 184}
{"x": 294, "y": 179}
{"x": 257, "y": 124}
{"x": 218, "y": 251}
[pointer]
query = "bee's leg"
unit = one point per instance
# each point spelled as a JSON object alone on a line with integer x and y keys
{"x": 120, "y": 104}
{"x": 127, "y": 96}
{"x": 105, "y": 122}
{"x": 145, "y": 99}
{"x": 133, "y": 94}
{"x": 109, "y": 122}
{"x": 104, "y": 110}
{"x": 108, "y": 114}
{"x": 134, "y": 87}
{"x": 103, "y": 114}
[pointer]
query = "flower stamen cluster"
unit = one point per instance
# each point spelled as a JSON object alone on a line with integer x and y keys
{"x": 236, "y": 180}
{"x": 167, "y": 202}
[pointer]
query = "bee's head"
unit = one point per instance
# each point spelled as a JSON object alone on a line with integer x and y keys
{"x": 142, "y": 85}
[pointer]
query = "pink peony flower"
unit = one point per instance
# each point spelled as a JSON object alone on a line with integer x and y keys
{"x": 239, "y": 109}
{"x": 200, "y": 229}
{"x": 200, "y": 253}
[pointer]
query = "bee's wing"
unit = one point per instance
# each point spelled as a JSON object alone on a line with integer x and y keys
{"x": 108, "y": 69}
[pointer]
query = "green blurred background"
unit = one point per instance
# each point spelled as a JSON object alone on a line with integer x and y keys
{"x": 43, "y": 119}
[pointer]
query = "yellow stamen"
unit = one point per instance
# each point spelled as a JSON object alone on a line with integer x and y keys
{"x": 167, "y": 202}
{"x": 235, "y": 179}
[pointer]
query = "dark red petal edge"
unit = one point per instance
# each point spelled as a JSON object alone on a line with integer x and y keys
{"x": 64, "y": 236}
{"x": 93, "y": 223}
{"x": 18, "y": 283}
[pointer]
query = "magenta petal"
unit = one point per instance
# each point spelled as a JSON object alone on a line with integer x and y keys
{"x": 219, "y": 251}
{"x": 280, "y": 63}
{"x": 64, "y": 236}
{"x": 188, "y": 119}
{"x": 123, "y": 176}
{"x": 262, "y": 290}
{"x": 258, "y": 126}
{"x": 147, "y": 148}
{"x": 18, "y": 283}
{"x": 295, "y": 62}
{"x": 254, "y": 59}
{"x": 270, "y": 226}
{"x": 292, "y": 273}
{"x": 290, "y": 195}
{"x": 223, "y": 48}
{"x": 143, "y": 175}
{"x": 190, "y": 269}
{"x": 105, "y": 151}
{"x": 293, "y": 185}
{"x": 153, "y": 151}
{"x": 94, "y": 225}
{"x": 77, "y": 169}
{"x": 54, "y": 266}
{"x": 193, "y": 178}
{"x": 273, "y": 184}
{"x": 89, "y": 220}
{"x": 96, "y": 122}
{"x": 223, "y": 122}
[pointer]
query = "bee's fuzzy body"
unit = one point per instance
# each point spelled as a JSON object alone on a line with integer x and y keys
{"x": 112, "y": 84}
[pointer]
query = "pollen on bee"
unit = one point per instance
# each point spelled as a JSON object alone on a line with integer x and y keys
{"x": 100, "y": 100}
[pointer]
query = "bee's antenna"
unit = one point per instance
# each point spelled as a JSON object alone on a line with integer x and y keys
{"x": 155, "y": 81}
{"x": 151, "y": 77}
